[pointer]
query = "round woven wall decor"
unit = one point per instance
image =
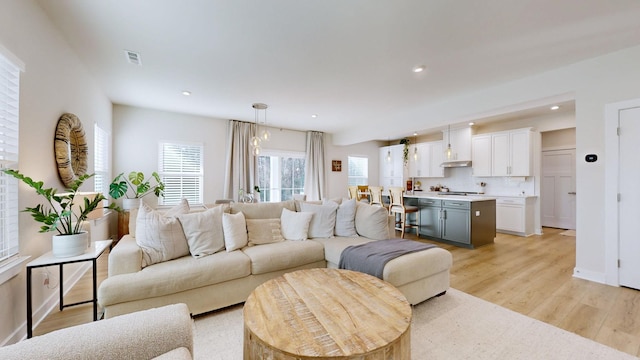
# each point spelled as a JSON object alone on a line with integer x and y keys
{"x": 70, "y": 146}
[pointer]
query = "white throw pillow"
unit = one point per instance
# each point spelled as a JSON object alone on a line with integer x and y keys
{"x": 295, "y": 225}
{"x": 346, "y": 218}
{"x": 160, "y": 236}
{"x": 372, "y": 221}
{"x": 323, "y": 221}
{"x": 235, "y": 231}
{"x": 203, "y": 231}
{"x": 263, "y": 231}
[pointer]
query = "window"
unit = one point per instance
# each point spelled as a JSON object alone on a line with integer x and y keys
{"x": 358, "y": 168}
{"x": 280, "y": 175}
{"x": 182, "y": 173}
{"x": 9, "y": 102}
{"x": 101, "y": 179}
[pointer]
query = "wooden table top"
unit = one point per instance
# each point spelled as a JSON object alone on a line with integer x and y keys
{"x": 327, "y": 312}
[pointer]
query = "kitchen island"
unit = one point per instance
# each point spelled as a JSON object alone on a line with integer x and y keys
{"x": 461, "y": 220}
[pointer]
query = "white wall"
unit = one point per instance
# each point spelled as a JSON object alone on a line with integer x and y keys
{"x": 55, "y": 82}
{"x": 337, "y": 181}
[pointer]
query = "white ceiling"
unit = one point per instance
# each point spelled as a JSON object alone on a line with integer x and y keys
{"x": 349, "y": 62}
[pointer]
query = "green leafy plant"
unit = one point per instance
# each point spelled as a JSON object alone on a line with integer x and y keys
{"x": 135, "y": 186}
{"x": 56, "y": 214}
{"x": 405, "y": 150}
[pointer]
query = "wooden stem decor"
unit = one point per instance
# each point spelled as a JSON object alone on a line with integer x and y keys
{"x": 70, "y": 146}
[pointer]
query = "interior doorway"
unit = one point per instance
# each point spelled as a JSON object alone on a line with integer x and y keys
{"x": 558, "y": 189}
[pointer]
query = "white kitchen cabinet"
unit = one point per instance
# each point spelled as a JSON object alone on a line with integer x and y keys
{"x": 460, "y": 140}
{"x": 427, "y": 163}
{"x": 436, "y": 156}
{"x": 481, "y": 155}
{"x": 391, "y": 166}
{"x": 515, "y": 215}
{"x": 511, "y": 153}
{"x": 506, "y": 153}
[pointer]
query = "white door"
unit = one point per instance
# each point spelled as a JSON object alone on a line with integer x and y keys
{"x": 558, "y": 189}
{"x": 628, "y": 210}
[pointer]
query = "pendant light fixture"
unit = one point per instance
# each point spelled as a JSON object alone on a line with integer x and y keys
{"x": 415, "y": 146}
{"x": 448, "y": 153}
{"x": 388, "y": 150}
{"x": 258, "y": 137}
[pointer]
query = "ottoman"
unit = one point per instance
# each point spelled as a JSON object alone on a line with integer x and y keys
{"x": 419, "y": 276}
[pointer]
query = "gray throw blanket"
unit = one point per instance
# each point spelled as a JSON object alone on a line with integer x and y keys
{"x": 370, "y": 258}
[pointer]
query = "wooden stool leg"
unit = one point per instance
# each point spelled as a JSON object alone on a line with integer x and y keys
{"x": 404, "y": 224}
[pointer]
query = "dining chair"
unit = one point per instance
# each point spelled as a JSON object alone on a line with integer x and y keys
{"x": 398, "y": 208}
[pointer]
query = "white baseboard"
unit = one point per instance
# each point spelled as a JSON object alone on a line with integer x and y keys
{"x": 589, "y": 275}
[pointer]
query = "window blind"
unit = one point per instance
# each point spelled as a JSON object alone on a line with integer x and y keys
{"x": 9, "y": 103}
{"x": 101, "y": 159}
{"x": 358, "y": 168}
{"x": 181, "y": 171}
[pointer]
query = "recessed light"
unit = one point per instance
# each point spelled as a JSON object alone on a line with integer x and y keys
{"x": 415, "y": 133}
{"x": 419, "y": 69}
{"x": 186, "y": 93}
{"x": 314, "y": 115}
{"x": 555, "y": 107}
{"x": 471, "y": 123}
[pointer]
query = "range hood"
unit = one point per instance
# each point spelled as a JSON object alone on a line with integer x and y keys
{"x": 456, "y": 163}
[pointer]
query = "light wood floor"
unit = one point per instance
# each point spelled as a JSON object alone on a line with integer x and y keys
{"x": 532, "y": 276}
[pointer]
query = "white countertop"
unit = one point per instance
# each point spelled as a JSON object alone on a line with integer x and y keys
{"x": 435, "y": 195}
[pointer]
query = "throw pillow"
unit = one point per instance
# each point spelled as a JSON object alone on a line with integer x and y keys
{"x": 264, "y": 231}
{"x": 295, "y": 225}
{"x": 160, "y": 236}
{"x": 372, "y": 221}
{"x": 323, "y": 221}
{"x": 183, "y": 206}
{"x": 235, "y": 231}
{"x": 346, "y": 218}
{"x": 203, "y": 231}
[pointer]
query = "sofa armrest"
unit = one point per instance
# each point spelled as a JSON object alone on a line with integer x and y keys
{"x": 125, "y": 257}
{"x": 140, "y": 335}
{"x": 391, "y": 221}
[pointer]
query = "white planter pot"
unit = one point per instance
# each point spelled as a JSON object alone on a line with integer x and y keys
{"x": 69, "y": 245}
{"x": 128, "y": 204}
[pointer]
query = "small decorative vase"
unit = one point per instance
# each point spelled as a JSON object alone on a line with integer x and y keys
{"x": 128, "y": 204}
{"x": 69, "y": 245}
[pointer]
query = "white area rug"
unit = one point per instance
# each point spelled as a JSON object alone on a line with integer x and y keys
{"x": 453, "y": 326}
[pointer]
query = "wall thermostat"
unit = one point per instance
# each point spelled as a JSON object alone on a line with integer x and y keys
{"x": 591, "y": 158}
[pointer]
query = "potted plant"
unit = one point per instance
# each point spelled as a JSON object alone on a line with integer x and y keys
{"x": 61, "y": 214}
{"x": 405, "y": 150}
{"x": 134, "y": 187}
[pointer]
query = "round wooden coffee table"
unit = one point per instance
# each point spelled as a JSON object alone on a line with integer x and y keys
{"x": 327, "y": 313}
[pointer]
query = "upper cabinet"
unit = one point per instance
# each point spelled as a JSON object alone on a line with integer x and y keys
{"x": 460, "y": 140}
{"x": 506, "y": 153}
{"x": 425, "y": 159}
{"x": 391, "y": 166}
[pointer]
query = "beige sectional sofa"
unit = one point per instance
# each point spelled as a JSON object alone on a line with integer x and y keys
{"x": 225, "y": 278}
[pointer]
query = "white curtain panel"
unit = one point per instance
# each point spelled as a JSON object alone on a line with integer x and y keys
{"x": 314, "y": 175}
{"x": 241, "y": 166}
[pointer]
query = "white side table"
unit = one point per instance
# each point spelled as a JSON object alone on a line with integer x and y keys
{"x": 92, "y": 254}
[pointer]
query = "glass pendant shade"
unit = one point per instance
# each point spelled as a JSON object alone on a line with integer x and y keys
{"x": 388, "y": 155}
{"x": 255, "y": 141}
{"x": 256, "y": 150}
{"x": 415, "y": 153}
{"x": 266, "y": 135}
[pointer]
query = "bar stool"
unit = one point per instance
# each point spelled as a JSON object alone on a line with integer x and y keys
{"x": 363, "y": 193}
{"x": 375, "y": 192}
{"x": 353, "y": 192}
{"x": 397, "y": 207}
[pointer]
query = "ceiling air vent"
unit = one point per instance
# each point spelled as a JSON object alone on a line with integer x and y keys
{"x": 133, "y": 57}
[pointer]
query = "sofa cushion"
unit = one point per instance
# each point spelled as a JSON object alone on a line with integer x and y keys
{"x": 203, "y": 231}
{"x": 235, "y": 231}
{"x": 323, "y": 221}
{"x": 174, "y": 276}
{"x": 346, "y": 218}
{"x": 161, "y": 237}
{"x": 295, "y": 225}
{"x": 283, "y": 255}
{"x": 262, "y": 210}
{"x": 372, "y": 221}
{"x": 263, "y": 231}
